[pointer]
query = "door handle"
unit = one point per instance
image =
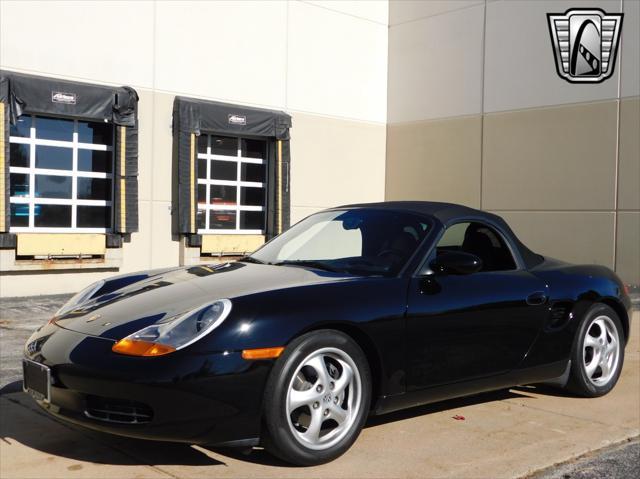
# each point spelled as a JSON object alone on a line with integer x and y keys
{"x": 537, "y": 298}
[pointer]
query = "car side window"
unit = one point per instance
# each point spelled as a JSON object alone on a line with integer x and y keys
{"x": 481, "y": 240}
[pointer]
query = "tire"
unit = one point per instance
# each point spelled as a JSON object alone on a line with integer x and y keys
{"x": 600, "y": 335}
{"x": 312, "y": 416}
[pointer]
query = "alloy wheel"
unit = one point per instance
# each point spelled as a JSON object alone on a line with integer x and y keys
{"x": 323, "y": 398}
{"x": 601, "y": 350}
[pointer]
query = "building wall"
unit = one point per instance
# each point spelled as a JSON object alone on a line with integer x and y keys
{"x": 478, "y": 115}
{"x": 322, "y": 62}
{"x": 436, "y": 100}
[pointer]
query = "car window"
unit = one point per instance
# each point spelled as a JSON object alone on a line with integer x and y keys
{"x": 481, "y": 240}
{"x": 319, "y": 241}
{"x": 359, "y": 241}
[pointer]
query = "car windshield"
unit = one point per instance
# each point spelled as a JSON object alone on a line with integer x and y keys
{"x": 359, "y": 241}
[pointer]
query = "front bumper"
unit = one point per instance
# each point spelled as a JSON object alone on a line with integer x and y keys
{"x": 196, "y": 398}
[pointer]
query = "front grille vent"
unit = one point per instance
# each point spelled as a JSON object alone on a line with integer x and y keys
{"x": 120, "y": 411}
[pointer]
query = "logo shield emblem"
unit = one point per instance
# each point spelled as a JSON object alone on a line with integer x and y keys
{"x": 585, "y": 44}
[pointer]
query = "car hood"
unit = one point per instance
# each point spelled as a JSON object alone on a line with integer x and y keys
{"x": 169, "y": 293}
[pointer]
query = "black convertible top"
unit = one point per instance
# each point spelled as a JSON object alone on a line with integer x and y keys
{"x": 447, "y": 212}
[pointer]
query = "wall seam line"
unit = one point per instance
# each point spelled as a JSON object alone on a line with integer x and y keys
{"x": 617, "y": 157}
{"x": 433, "y": 15}
{"x": 153, "y": 129}
{"x": 329, "y": 9}
{"x": 484, "y": 52}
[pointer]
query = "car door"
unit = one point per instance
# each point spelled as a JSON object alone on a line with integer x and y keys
{"x": 464, "y": 327}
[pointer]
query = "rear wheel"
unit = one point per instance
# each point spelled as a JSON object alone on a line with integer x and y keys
{"x": 598, "y": 353}
{"x": 317, "y": 398}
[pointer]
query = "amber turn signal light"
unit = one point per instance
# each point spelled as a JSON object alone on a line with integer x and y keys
{"x": 141, "y": 348}
{"x": 262, "y": 353}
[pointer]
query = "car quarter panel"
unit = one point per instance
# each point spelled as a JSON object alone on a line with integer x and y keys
{"x": 572, "y": 291}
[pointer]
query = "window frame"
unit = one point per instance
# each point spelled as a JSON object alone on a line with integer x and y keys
{"x": 425, "y": 270}
{"x": 239, "y": 160}
{"x": 74, "y": 145}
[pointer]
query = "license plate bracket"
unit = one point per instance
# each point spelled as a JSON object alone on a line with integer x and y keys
{"x": 36, "y": 380}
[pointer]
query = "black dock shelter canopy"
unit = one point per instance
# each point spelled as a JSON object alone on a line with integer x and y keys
{"x": 193, "y": 117}
{"x": 22, "y": 94}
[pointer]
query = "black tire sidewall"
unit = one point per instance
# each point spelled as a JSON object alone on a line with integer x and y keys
{"x": 580, "y": 383}
{"x": 277, "y": 436}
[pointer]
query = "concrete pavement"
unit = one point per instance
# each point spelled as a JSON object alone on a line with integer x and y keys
{"x": 504, "y": 434}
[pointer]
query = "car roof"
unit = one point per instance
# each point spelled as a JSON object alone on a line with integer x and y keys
{"x": 447, "y": 212}
{"x": 444, "y": 212}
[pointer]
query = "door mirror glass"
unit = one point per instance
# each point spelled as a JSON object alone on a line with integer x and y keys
{"x": 456, "y": 262}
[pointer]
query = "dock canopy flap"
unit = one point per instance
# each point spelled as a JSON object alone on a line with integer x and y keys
{"x": 22, "y": 94}
{"x": 224, "y": 118}
{"x": 193, "y": 117}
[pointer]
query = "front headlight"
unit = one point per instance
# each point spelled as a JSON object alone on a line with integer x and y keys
{"x": 80, "y": 298}
{"x": 166, "y": 337}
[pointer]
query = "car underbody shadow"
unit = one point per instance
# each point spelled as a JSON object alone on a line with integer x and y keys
{"x": 21, "y": 421}
{"x": 546, "y": 390}
{"x": 440, "y": 406}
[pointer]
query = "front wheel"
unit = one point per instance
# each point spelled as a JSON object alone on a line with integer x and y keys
{"x": 598, "y": 353}
{"x": 317, "y": 398}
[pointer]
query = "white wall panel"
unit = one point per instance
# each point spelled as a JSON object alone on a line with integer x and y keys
{"x": 520, "y": 69}
{"x": 107, "y": 42}
{"x": 374, "y": 10}
{"x": 232, "y": 51}
{"x": 435, "y": 66}
{"x": 337, "y": 64}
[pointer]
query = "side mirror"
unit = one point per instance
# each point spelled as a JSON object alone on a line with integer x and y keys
{"x": 456, "y": 262}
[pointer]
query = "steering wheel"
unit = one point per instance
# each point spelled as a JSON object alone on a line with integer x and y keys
{"x": 389, "y": 251}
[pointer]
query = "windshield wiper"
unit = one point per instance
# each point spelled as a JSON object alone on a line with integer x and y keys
{"x": 251, "y": 259}
{"x": 311, "y": 263}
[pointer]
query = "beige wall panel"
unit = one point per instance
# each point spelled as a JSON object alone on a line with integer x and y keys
{"x": 374, "y": 10}
{"x": 42, "y": 37}
{"x": 576, "y": 237}
{"x": 146, "y": 140}
{"x": 411, "y": 10}
{"x": 136, "y": 254}
{"x": 520, "y": 69}
{"x": 164, "y": 251}
{"x": 232, "y": 51}
{"x": 436, "y": 160}
{"x": 628, "y": 252}
{"x": 335, "y": 162}
{"x": 52, "y": 283}
{"x": 559, "y": 158}
{"x": 161, "y": 172}
{"x": 629, "y": 173}
{"x": 435, "y": 67}
{"x": 630, "y": 66}
{"x": 337, "y": 64}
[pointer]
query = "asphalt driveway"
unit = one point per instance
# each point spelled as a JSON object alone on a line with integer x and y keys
{"x": 510, "y": 433}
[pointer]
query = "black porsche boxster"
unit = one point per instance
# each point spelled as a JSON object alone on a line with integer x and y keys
{"x": 356, "y": 310}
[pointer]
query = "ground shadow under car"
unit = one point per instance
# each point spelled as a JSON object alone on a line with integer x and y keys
{"x": 82, "y": 444}
{"x": 109, "y": 449}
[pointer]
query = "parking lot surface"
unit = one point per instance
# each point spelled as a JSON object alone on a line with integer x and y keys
{"x": 510, "y": 433}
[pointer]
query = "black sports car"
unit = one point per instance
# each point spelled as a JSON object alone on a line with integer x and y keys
{"x": 356, "y": 310}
